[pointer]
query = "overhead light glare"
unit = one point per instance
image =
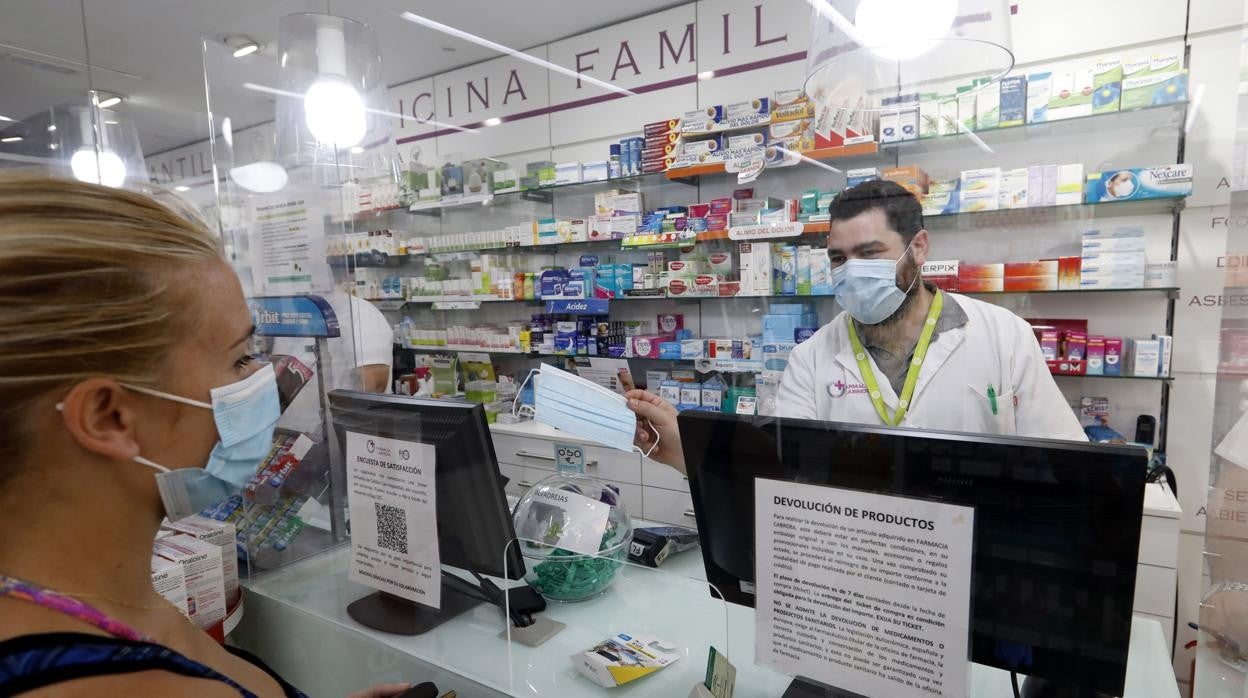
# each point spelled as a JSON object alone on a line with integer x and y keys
{"x": 11, "y": 139}
{"x": 492, "y": 121}
{"x": 181, "y": 187}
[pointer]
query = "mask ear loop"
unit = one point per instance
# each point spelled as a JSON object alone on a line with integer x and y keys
{"x": 657, "y": 437}
{"x": 518, "y": 410}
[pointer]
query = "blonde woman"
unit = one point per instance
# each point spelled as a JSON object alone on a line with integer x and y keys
{"x": 114, "y": 313}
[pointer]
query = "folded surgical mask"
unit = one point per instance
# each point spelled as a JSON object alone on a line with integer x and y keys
{"x": 867, "y": 288}
{"x": 246, "y": 415}
{"x": 583, "y": 408}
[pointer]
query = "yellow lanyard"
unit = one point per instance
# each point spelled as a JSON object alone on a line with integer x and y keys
{"x": 912, "y": 376}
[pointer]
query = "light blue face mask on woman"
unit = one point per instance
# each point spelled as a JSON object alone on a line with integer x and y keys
{"x": 246, "y": 414}
{"x": 867, "y": 288}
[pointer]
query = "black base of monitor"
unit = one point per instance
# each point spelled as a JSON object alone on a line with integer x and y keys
{"x": 393, "y": 614}
{"x": 809, "y": 688}
{"x": 1041, "y": 688}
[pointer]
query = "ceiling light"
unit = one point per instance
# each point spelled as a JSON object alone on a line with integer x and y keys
{"x": 492, "y": 121}
{"x": 106, "y": 100}
{"x": 241, "y": 44}
{"x": 480, "y": 41}
{"x": 10, "y": 139}
{"x": 356, "y": 150}
{"x": 5, "y": 118}
{"x": 901, "y": 29}
{"x": 105, "y": 168}
{"x": 262, "y": 177}
{"x": 181, "y": 187}
{"x": 332, "y": 107}
{"x": 51, "y": 128}
{"x": 706, "y": 75}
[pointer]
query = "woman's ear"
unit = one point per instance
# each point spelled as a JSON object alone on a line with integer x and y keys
{"x": 100, "y": 417}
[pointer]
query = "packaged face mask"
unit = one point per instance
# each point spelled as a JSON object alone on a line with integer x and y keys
{"x": 583, "y": 408}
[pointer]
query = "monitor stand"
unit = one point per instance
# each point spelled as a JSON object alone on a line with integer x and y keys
{"x": 394, "y": 614}
{"x": 1043, "y": 688}
{"x": 803, "y": 687}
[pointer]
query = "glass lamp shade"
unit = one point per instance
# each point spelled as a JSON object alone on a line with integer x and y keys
{"x": 99, "y": 146}
{"x": 332, "y": 101}
{"x": 867, "y": 54}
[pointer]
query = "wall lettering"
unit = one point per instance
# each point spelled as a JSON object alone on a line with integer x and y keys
{"x": 620, "y": 63}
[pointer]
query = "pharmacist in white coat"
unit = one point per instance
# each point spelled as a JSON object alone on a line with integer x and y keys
{"x": 902, "y": 353}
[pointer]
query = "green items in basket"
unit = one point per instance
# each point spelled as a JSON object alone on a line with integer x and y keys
{"x": 574, "y": 533}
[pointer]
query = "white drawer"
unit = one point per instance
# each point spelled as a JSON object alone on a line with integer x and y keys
{"x": 1167, "y": 628}
{"x": 631, "y": 495}
{"x": 519, "y": 478}
{"x": 600, "y": 462}
{"x": 669, "y": 507}
{"x": 1154, "y": 590}
{"x": 1159, "y": 541}
{"x": 655, "y": 474}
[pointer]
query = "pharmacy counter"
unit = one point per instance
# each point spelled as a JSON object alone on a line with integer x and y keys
{"x": 297, "y": 622}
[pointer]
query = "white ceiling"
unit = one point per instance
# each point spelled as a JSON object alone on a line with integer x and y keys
{"x": 150, "y": 50}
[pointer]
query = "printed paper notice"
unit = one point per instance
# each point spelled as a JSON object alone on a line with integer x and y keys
{"x": 288, "y": 246}
{"x": 865, "y": 592}
{"x": 394, "y": 517}
{"x": 572, "y": 521}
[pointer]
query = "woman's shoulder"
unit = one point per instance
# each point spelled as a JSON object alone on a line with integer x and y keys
{"x": 142, "y": 683}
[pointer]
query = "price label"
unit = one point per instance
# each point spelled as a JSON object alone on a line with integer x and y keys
{"x": 569, "y": 458}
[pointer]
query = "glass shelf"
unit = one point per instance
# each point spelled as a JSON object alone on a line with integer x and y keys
{"x": 1050, "y": 214}
{"x": 1164, "y": 379}
{"x": 634, "y": 299}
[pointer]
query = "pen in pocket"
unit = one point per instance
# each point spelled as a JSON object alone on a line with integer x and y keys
{"x": 992, "y": 399}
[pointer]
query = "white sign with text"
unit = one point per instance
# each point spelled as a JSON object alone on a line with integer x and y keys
{"x": 866, "y": 592}
{"x": 392, "y": 488}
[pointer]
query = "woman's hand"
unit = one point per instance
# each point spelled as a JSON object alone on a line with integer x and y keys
{"x": 382, "y": 690}
{"x": 654, "y": 411}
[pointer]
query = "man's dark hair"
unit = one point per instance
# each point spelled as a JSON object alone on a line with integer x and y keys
{"x": 900, "y": 207}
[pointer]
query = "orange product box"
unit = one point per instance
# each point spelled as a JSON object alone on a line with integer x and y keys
{"x": 1039, "y": 268}
{"x": 981, "y": 285}
{"x": 981, "y": 271}
{"x": 1031, "y": 283}
{"x": 912, "y": 177}
{"x": 1068, "y": 273}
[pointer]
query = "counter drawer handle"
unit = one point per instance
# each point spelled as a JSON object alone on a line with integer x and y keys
{"x": 690, "y": 513}
{"x": 535, "y": 456}
{"x": 525, "y": 485}
{"x": 538, "y": 456}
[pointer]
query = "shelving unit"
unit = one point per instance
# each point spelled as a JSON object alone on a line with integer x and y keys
{"x": 1036, "y": 229}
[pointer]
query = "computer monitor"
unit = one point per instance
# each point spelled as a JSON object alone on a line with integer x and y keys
{"x": 1057, "y": 525}
{"x": 474, "y": 521}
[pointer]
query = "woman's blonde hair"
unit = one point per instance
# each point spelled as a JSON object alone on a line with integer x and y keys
{"x": 87, "y": 288}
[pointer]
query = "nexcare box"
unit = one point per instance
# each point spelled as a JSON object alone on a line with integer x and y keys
{"x": 201, "y": 567}
{"x": 1140, "y": 183}
{"x": 220, "y": 534}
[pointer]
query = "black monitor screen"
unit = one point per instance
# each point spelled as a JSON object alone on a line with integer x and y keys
{"x": 474, "y": 522}
{"x": 1057, "y": 525}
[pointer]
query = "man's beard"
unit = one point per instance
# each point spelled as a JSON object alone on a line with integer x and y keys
{"x": 909, "y": 282}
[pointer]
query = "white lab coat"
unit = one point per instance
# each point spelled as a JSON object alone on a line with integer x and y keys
{"x": 995, "y": 347}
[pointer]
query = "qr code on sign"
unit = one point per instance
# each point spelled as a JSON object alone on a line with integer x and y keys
{"x": 391, "y": 528}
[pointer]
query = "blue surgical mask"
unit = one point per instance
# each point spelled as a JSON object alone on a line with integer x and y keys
{"x": 583, "y": 408}
{"x": 867, "y": 288}
{"x": 246, "y": 415}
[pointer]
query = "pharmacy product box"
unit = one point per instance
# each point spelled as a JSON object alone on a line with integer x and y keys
{"x": 777, "y": 328}
{"x": 713, "y": 393}
{"x": 949, "y": 122}
{"x": 820, "y": 272}
{"x": 803, "y": 270}
{"x": 1113, "y": 263}
{"x": 1076, "y": 345}
{"x": 890, "y": 122}
{"x": 1143, "y": 357}
{"x": 1106, "y": 85}
{"x": 988, "y": 107}
{"x": 596, "y": 171}
{"x": 505, "y": 181}
{"x": 1092, "y": 282}
{"x": 1071, "y": 95}
{"x": 717, "y": 221}
{"x": 1069, "y": 185}
{"x": 1113, "y": 356}
{"x": 1093, "y": 245}
{"x": 912, "y": 177}
{"x": 860, "y": 175}
{"x": 756, "y": 269}
{"x": 682, "y": 269}
{"x": 1161, "y": 274}
{"x": 719, "y": 263}
{"x": 568, "y": 173}
{"x": 660, "y": 152}
{"x": 169, "y": 581}
{"x": 722, "y": 205}
{"x": 746, "y": 140}
{"x": 1049, "y": 190}
{"x": 1046, "y": 267}
{"x": 1014, "y": 188}
{"x": 1039, "y": 91}
{"x": 1012, "y": 101}
{"x": 929, "y": 116}
{"x": 647, "y": 346}
{"x": 942, "y": 203}
{"x": 1107, "y": 233}
{"x": 981, "y": 181}
{"x": 220, "y": 534}
{"x": 574, "y": 230}
{"x": 751, "y": 112}
{"x": 944, "y": 274}
{"x": 661, "y": 128}
{"x": 625, "y": 658}
{"x": 1068, "y": 273}
{"x": 1096, "y": 355}
{"x": 979, "y": 201}
{"x": 989, "y": 285}
{"x": 1019, "y": 284}
{"x": 1166, "y": 181}
{"x": 692, "y": 349}
{"x": 784, "y": 270}
{"x": 598, "y": 227}
{"x": 670, "y": 323}
{"x": 966, "y": 107}
{"x": 627, "y": 203}
{"x": 1035, "y": 185}
{"x": 797, "y": 133}
{"x": 604, "y": 202}
{"x": 669, "y": 390}
{"x": 691, "y": 393}
{"x": 981, "y": 271}
{"x": 1049, "y": 343}
{"x": 908, "y": 117}
{"x": 202, "y": 569}
{"x": 1156, "y": 89}
{"x": 1165, "y": 347}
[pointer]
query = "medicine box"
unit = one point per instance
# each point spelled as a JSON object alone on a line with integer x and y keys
{"x": 1106, "y": 85}
{"x": 1039, "y": 88}
{"x": 202, "y": 569}
{"x": 1143, "y": 357}
{"x": 1071, "y": 95}
{"x": 929, "y": 116}
{"x": 949, "y": 123}
{"x": 1113, "y": 245}
{"x": 713, "y": 393}
{"x": 1076, "y": 345}
{"x": 1165, "y": 347}
{"x": 966, "y": 107}
{"x": 691, "y": 394}
{"x": 1096, "y": 355}
{"x": 220, "y": 534}
{"x": 669, "y": 390}
{"x": 1047, "y": 267}
{"x": 624, "y": 658}
{"x": 981, "y": 181}
{"x": 1069, "y": 185}
{"x": 1140, "y": 183}
{"x": 1161, "y": 274}
{"x": 1154, "y": 89}
{"x": 944, "y": 274}
{"x": 1113, "y": 356}
{"x": 169, "y": 581}
{"x": 1012, "y": 101}
{"x": 988, "y": 107}
{"x": 1049, "y": 342}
